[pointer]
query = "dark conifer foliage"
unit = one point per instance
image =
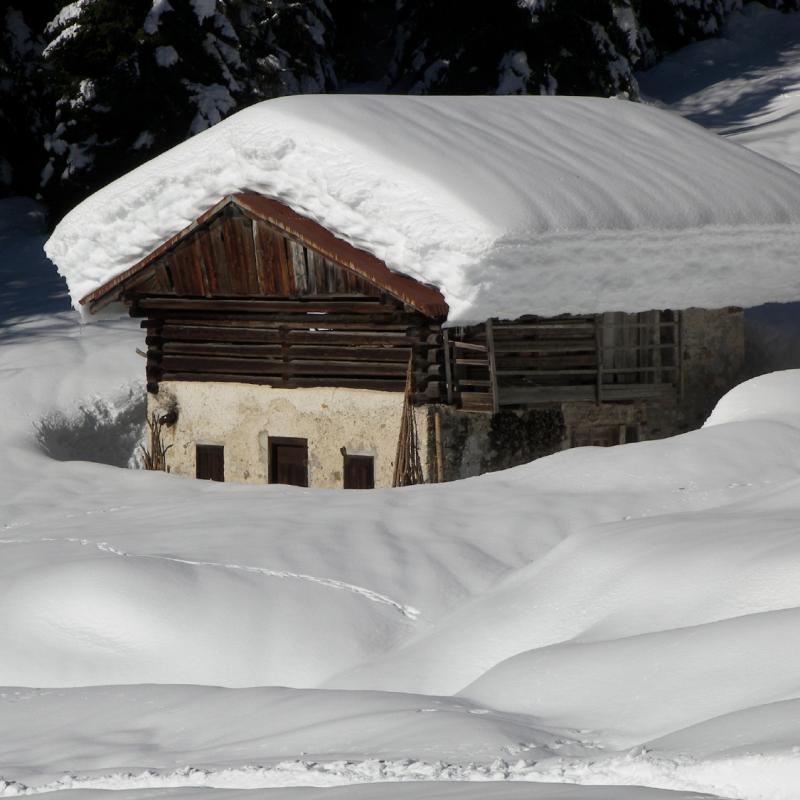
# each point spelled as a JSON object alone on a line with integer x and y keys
{"x": 91, "y": 88}
{"x": 285, "y": 46}
{"x": 24, "y": 99}
{"x": 135, "y": 78}
{"x": 533, "y": 47}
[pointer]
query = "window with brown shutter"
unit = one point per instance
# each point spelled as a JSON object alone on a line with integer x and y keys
{"x": 359, "y": 472}
{"x": 288, "y": 460}
{"x": 210, "y": 462}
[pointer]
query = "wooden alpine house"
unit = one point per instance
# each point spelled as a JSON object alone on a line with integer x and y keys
{"x": 279, "y": 353}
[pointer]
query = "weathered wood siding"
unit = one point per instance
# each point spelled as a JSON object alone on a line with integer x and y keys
{"x": 291, "y": 350}
{"x": 237, "y": 300}
{"x": 532, "y": 361}
{"x": 234, "y": 255}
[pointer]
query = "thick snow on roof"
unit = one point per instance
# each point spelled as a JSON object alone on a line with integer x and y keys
{"x": 511, "y": 205}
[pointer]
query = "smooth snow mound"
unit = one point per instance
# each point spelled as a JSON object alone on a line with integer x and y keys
{"x": 773, "y": 396}
{"x": 511, "y": 205}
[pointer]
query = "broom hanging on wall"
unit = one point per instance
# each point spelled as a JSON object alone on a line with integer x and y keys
{"x": 407, "y": 466}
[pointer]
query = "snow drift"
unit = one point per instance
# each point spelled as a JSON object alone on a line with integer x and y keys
{"x": 641, "y": 596}
{"x": 511, "y": 205}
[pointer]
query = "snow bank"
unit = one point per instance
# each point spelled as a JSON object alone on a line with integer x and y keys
{"x": 626, "y": 579}
{"x": 511, "y": 205}
{"x": 775, "y": 396}
{"x": 683, "y": 676}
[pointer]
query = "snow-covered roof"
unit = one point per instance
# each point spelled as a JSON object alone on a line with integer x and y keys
{"x": 511, "y": 205}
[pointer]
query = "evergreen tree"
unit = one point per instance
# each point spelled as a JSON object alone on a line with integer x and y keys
{"x": 367, "y": 40}
{"x": 24, "y": 103}
{"x": 138, "y": 77}
{"x": 286, "y": 47}
{"x": 89, "y": 89}
{"x": 545, "y": 46}
{"x": 530, "y": 47}
{"x": 673, "y": 23}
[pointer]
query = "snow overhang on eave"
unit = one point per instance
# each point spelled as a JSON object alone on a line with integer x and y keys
{"x": 423, "y": 297}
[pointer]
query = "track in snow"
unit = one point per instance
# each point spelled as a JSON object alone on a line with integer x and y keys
{"x": 376, "y": 597}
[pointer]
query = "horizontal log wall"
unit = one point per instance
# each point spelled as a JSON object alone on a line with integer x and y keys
{"x": 325, "y": 341}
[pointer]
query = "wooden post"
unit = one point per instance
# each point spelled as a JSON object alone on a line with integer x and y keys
{"x": 598, "y": 343}
{"x": 407, "y": 467}
{"x": 679, "y": 333}
{"x": 492, "y": 368}
{"x": 657, "y": 345}
{"x": 448, "y": 371}
{"x": 437, "y": 432}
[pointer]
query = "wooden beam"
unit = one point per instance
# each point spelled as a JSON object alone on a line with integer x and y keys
{"x": 492, "y": 366}
{"x": 385, "y": 385}
{"x": 535, "y": 395}
{"x": 334, "y": 322}
{"x": 313, "y": 305}
{"x": 278, "y": 366}
{"x": 276, "y": 349}
{"x": 680, "y": 331}
{"x": 448, "y": 373}
{"x": 598, "y": 339}
{"x": 478, "y": 348}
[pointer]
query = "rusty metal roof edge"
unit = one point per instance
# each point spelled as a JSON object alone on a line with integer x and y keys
{"x": 427, "y": 299}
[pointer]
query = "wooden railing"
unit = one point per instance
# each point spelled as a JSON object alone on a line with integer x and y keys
{"x": 604, "y": 358}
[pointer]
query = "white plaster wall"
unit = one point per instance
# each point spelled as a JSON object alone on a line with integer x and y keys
{"x": 242, "y": 416}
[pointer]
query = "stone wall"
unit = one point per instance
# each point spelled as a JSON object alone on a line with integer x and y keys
{"x": 713, "y": 350}
{"x": 474, "y": 442}
{"x": 242, "y": 417}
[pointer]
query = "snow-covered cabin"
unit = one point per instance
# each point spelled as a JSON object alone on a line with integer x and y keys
{"x": 330, "y": 284}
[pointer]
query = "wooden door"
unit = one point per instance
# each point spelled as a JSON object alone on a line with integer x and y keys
{"x": 359, "y": 472}
{"x": 210, "y": 462}
{"x": 288, "y": 461}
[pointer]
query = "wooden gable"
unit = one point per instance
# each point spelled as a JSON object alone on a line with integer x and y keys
{"x": 234, "y": 255}
{"x": 249, "y": 246}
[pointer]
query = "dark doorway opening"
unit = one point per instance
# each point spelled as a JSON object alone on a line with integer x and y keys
{"x": 359, "y": 472}
{"x": 210, "y": 462}
{"x": 288, "y": 460}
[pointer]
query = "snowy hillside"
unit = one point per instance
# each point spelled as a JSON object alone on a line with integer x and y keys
{"x": 608, "y": 617}
{"x": 744, "y": 84}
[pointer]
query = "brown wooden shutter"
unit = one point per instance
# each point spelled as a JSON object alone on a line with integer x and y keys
{"x": 288, "y": 460}
{"x": 359, "y": 472}
{"x": 210, "y": 462}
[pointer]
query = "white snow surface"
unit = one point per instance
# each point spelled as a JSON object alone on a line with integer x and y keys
{"x": 745, "y": 83}
{"x": 166, "y": 56}
{"x": 620, "y": 619}
{"x": 510, "y": 205}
